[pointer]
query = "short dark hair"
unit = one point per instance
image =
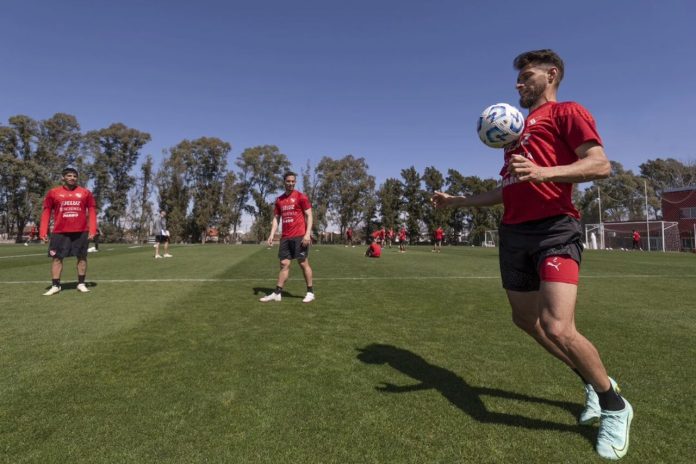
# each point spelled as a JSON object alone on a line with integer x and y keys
{"x": 545, "y": 57}
{"x": 68, "y": 169}
{"x": 288, "y": 174}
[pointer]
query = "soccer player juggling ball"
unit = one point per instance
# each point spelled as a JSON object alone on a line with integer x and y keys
{"x": 74, "y": 225}
{"x": 540, "y": 235}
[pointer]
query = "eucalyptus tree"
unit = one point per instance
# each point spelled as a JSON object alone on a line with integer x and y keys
{"x": 261, "y": 171}
{"x": 413, "y": 202}
{"x": 390, "y": 202}
{"x": 114, "y": 151}
{"x": 205, "y": 159}
{"x": 347, "y": 189}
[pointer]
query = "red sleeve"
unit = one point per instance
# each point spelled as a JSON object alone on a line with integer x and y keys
{"x": 92, "y": 206}
{"x": 46, "y": 216}
{"x": 576, "y": 125}
{"x": 304, "y": 203}
{"x": 276, "y": 208}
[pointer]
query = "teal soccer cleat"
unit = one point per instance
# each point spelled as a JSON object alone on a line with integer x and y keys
{"x": 614, "y": 428}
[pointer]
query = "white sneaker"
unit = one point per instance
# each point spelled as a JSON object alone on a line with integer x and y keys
{"x": 592, "y": 411}
{"x": 82, "y": 288}
{"x": 308, "y": 297}
{"x": 614, "y": 428}
{"x": 52, "y": 291}
{"x": 167, "y": 255}
{"x": 26, "y": 244}
{"x": 158, "y": 256}
{"x": 91, "y": 250}
{"x": 272, "y": 297}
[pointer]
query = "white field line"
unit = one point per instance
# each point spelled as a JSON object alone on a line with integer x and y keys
{"x": 135, "y": 281}
{"x": 23, "y": 256}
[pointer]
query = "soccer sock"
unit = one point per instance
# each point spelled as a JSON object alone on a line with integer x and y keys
{"x": 610, "y": 400}
{"x": 310, "y": 289}
{"x": 80, "y": 279}
{"x": 278, "y": 290}
{"x": 580, "y": 375}
{"x": 55, "y": 282}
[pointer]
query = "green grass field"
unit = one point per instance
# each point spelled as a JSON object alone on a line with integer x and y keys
{"x": 411, "y": 358}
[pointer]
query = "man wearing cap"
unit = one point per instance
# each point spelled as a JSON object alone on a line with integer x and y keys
{"x": 74, "y": 225}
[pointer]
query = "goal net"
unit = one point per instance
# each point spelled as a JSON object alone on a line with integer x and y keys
{"x": 652, "y": 236}
{"x": 490, "y": 239}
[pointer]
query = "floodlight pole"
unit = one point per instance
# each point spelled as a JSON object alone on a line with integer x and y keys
{"x": 647, "y": 220}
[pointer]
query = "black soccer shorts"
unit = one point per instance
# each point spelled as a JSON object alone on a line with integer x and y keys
{"x": 524, "y": 246}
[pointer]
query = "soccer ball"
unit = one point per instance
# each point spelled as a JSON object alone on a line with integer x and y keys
{"x": 500, "y": 124}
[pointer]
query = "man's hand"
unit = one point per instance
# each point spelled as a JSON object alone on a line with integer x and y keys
{"x": 441, "y": 199}
{"x": 44, "y": 238}
{"x": 90, "y": 237}
{"x": 526, "y": 171}
{"x": 306, "y": 241}
{"x": 269, "y": 242}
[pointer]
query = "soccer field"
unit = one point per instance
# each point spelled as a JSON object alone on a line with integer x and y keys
{"x": 410, "y": 358}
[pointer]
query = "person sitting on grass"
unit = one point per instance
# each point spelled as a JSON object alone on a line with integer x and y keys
{"x": 374, "y": 250}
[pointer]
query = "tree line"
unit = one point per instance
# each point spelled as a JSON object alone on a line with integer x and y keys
{"x": 199, "y": 190}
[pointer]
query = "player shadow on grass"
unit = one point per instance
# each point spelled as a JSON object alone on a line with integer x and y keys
{"x": 73, "y": 285}
{"x": 464, "y": 396}
{"x": 269, "y": 290}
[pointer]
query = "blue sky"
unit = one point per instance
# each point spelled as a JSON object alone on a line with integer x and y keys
{"x": 399, "y": 83}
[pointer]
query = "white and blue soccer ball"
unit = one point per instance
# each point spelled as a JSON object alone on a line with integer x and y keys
{"x": 500, "y": 124}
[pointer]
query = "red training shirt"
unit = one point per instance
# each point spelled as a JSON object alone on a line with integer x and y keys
{"x": 291, "y": 209}
{"x": 70, "y": 209}
{"x": 376, "y": 250}
{"x": 439, "y": 233}
{"x": 552, "y": 133}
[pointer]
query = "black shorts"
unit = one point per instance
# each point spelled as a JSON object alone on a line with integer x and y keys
{"x": 291, "y": 248}
{"x": 161, "y": 238}
{"x": 68, "y": 244}
{"x": 524, "y": 246}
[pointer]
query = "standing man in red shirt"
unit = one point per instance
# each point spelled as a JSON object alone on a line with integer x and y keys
{"x": 390, "y": 236}
{"x": 636, "y": 240}
{"x": 349, "y": 236}
{"x": 439, "y": 234}
{"x": 402, "y": 239}
{"x": 540, "y": 235}
{"x": 74, "y": 225}
{"x": 294, "y": 212}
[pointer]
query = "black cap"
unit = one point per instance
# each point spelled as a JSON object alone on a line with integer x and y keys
{"x": 68, "y": 169}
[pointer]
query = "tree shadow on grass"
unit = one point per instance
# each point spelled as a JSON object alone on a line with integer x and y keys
{"x": 464, "y": 396}
{"x": 268, "y": 290}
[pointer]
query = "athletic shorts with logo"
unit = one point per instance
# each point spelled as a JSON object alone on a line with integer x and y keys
{"x": 68, "y": 244}
{"x": 525, "y": 247}
{"x": 291, "y": 248}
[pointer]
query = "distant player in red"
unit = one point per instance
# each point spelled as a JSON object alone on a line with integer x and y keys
{"x": 32, "y": 235}
{"x": 402, "y": 240}
{"x": 390, "y": 236}
{"x": 439, "y": 234}
{"x": 382, "y": 235}
{"x": 74, "y": 225}
{"x": 349, "y": 236}
{"x": 294, "y": 212}
{"x": 541, "y": 235}
{"x": 374, "y": 250}
{"x": 636, "y": 241}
